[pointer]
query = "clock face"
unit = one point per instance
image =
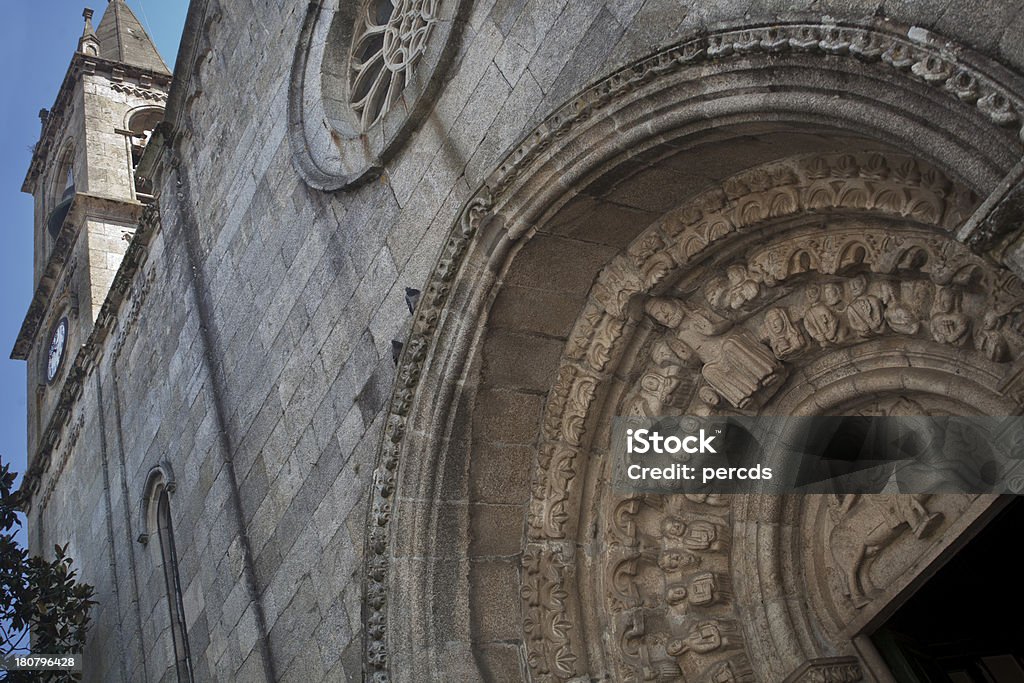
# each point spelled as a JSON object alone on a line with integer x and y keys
{"x": 56, "y": 353}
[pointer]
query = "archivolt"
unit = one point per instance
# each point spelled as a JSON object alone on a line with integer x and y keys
{"x": 937, "y": 102}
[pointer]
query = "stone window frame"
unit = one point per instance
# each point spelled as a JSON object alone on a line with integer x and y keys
{"x": 57, "y": 184}
{"x": 331, "y": 149}
{"x": 155, "y": 510}
{"x": 129, "y": 120}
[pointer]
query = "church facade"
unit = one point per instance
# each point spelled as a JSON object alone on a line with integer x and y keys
{"x": 331, "y": 324}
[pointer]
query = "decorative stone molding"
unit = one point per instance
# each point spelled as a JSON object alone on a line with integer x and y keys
{"x": 66, "y": 448}
{"x": 363, "y": 78}
{"x": 896, "y": 188}
{"x": 142, "y": 93}
{"x": 828, "y": 670}
{"x": 138, "y": 294}
{"x": 920, "y": 61}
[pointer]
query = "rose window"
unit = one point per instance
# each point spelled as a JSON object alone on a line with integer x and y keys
{"x": 390, "y": 37}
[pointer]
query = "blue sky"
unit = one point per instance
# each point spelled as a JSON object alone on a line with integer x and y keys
{"x": 37, "y": 40}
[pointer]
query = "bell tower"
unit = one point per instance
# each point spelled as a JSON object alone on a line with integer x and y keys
{"x": 87, "y": 200}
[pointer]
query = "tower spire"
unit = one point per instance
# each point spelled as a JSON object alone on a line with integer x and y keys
{"x": 88, "y": 44}
{"x": 122, "y": 39}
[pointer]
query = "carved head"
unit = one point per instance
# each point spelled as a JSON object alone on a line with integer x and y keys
{"x": 945, "y": 300}
{"x": 675, "y": 594}
{"x": 775, "y": 322}
{"x": 668, "y": 312}
{"x": 812, "y": 294}
{"x": 673, "y": 527}
{"x": 832, "y": 293}
{"x": 992, "y": 321}
{"x": 736, "y": 273}
{"x": 858, "y": 285}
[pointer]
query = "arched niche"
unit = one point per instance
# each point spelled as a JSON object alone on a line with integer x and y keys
{"x": 495, "y": 548}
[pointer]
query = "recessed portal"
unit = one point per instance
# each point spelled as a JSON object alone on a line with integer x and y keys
{"x": 964, "y": 625}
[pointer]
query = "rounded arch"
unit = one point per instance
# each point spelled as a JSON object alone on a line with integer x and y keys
{"x": 61, "y": 185}
{"x": 765, "y": 155}
{"x": 159, "y": 479}
{"x": 140, "y": 122}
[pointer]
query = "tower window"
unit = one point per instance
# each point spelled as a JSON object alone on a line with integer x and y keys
{"x": 140, "y": 130}
{"x": 62, "y": 194}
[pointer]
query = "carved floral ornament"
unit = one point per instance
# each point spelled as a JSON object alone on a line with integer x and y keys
{"x": 680, "y": 622}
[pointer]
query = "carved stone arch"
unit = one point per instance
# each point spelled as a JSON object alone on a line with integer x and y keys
{"x": 488, "y": 514}
{"x": 159, "y": 479}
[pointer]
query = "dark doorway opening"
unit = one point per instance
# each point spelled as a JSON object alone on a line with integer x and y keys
{"x": 966, "y": 624}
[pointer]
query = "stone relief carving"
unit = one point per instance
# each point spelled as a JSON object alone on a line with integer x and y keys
{"x": 791, "y": 298}
{"x": 887, "y": 517}
{"x": 885, "y": 186}
{"x": 669, "y": 591}
{"x": 140, "y": 92}
{"x": 546, "y": 621}
{"x": 735, "y": 363}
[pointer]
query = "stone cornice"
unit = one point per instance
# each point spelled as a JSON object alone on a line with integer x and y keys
{"x": 81, "y": 64}
{"x": 88, "y": 355}
{"x": 82, "y": 205}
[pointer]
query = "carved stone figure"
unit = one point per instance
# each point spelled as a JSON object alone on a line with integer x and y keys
{"x": 990, "y": 339}
{"x": 864, "y": 314}
{"x": 697, "y": 535}
{"x": 782, "y": 336}
{"x": 736, "y": 365}
{"x": 820, "y": 320}
{"x": 705, "y": 637}
{"x": 949, "y": 325}
{"x": 884, "y": 518}
{"x": 659, "y": 665}
{"x": 742, "y": 286}
{"x": 900, "y": 318}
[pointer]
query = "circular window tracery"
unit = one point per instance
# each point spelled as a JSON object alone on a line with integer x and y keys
{"x": 363, "y": 78}
{"x": 390, "y": 38}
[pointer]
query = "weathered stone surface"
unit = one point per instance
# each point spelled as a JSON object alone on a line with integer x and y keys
{"x": 340, "y": 515}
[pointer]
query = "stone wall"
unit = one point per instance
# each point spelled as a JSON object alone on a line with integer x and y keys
{"x": 254, "y": 351}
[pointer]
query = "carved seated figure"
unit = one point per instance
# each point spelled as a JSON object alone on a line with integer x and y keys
{"x": 736, "y": 365}
{"x": 990, "y": 339}
{"x": 820, "y": 320}
{"x": 864, "y": 314}
{"x": 704, "y": 638}
{"x": 697, "y": 535}
{"x": 742, "y": 286}
{"x": 949, "y": 325}
{"x": 900, "y": 318}
{"x": 782, "y": 336}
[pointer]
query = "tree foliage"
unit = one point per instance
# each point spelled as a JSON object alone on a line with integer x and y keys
{"x": 37, "y": 596}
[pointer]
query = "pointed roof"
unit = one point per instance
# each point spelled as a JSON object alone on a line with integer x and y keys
{"x": 122, "y": 39}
